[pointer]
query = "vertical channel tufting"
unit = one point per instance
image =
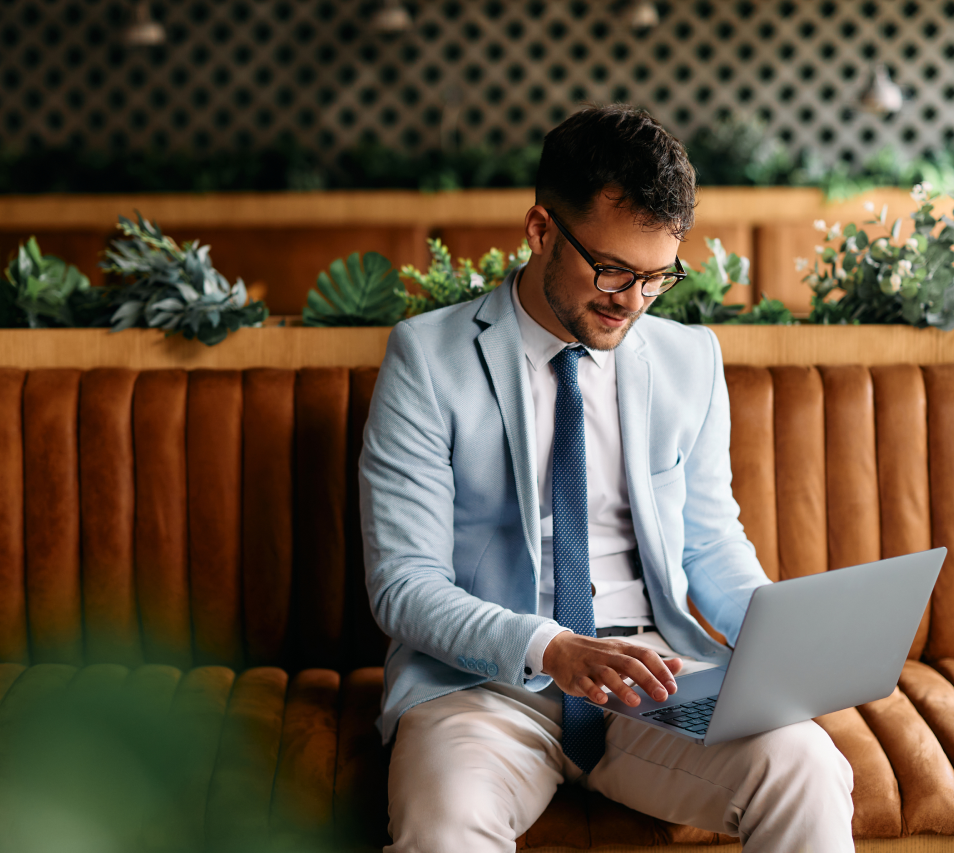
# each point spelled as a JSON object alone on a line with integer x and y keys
{"x": 197, "y": 715}
{"x": 939, "y": 383}
{"x": 214, "y": 453}
{"x": 51, "y": 516}
{"x": 854, "y": 511}
{"x": 301, "y": 808}
{"x": 240, "y": 793}
{"x": 904, "y": 486}
{"x": 752, "y": 400}
{"x": 267, "y": 511}
{"x": 107, "y": 516}
{"x": 800, "y": 471}
{"x": 162, "y": 564}
{"x": 13, "y": 620}
{"x": 321, "y": 419}
{"x": 367, "y": 644}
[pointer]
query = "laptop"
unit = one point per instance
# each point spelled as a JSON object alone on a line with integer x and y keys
{"x": 808, "y": 646}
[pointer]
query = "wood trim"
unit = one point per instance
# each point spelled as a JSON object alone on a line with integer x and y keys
{"x": 268, "y": 210}
{"x": 770, "y": 345}
{"x": 297, "y": 346}
{"x": 482, "y": 207}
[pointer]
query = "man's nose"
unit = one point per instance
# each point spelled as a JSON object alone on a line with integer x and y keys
{"x": 631, "y": 300}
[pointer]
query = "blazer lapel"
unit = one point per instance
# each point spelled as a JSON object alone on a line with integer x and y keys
{"x": 502, "y": 348}
{"x": 634, "y": 392}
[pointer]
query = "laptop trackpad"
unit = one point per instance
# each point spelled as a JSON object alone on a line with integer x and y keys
{"x": 696, "y": 685}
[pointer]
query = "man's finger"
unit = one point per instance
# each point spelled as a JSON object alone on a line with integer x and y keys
{"x": 592, "y": 690}
{"x": 652, "y": 676}
{"x": 615, "y": 683}
{"x": 658, "y": 668}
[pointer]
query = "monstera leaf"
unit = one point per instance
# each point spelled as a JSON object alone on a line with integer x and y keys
{"x": 361, "y": 291}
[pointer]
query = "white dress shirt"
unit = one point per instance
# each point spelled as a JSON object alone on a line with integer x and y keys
{"x": 619, "y": 598}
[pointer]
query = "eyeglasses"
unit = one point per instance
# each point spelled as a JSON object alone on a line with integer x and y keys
{"x": 617, "y": 279}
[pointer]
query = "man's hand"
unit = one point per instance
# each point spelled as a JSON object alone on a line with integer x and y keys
{"x": 582, "y": 666}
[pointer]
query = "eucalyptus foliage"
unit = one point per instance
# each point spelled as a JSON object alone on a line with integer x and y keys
{"x": 42, "y": 291}
{"x": 700, "y": 297}
{"x": 361, "y": 291}
{"x": 174, "y": 288}
{"x": 887, "y": 279}
{"x": 443, "y": 284}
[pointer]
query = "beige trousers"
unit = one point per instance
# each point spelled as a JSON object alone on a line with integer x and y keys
{"x": 473, "y": 770}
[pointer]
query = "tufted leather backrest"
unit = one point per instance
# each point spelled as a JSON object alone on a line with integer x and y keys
{"x": 173, "y": 517}
{"x": 211, "y": 516}
{"x": 835, "y": 466}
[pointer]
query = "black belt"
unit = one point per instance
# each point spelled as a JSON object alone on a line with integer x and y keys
{"x": 618, "y": 631}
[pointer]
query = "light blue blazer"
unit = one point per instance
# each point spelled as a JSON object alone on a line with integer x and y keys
{"x": 449, "y": 506}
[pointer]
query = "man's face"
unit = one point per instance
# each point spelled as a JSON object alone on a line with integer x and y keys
{"x": 612, "y": 236}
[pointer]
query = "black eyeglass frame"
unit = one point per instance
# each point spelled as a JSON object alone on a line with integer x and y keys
{"x": 599, "y": 268}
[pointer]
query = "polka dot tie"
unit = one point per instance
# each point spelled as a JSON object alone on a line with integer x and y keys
{"x": 583, "y": 733}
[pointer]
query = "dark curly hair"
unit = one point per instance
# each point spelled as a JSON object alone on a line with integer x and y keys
{"x": 627, "y": 153}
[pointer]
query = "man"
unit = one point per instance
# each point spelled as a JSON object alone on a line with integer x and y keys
{"x": 544, "y": 480}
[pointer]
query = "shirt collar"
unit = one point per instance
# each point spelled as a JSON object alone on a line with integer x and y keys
{"x": 539, "y": 344}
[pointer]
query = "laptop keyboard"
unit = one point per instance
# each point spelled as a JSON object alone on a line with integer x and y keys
{"x": 692, "y": 717}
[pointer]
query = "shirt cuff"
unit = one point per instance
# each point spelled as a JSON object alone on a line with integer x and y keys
{"x": 533, "y": 665}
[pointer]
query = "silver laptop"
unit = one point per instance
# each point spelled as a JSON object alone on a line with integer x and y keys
{"x": 808, "y": 646}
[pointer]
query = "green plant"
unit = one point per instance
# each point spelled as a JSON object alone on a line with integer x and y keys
{"x": 699, "y": 298}
{"x": 42, "y": 291}
{"x": 443, "y": 285}
{"x": 887, "y": 168}
{"x": 768, "y": 312}
{"x": 362, "y": 291}
{"x": 172, "y": 288}
{"x": 886, "y": 280}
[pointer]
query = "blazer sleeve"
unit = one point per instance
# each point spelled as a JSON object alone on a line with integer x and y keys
{"x": 407, "y": 520}
{"x": 718, "y": 559}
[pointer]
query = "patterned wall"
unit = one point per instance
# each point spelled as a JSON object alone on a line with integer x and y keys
{"x": 242, "y": 73}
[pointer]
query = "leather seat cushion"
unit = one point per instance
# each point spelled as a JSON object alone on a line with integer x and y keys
{"x": 248, "y": 758}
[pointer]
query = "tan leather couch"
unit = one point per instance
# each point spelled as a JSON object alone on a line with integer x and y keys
{"x": 200, "y": 529}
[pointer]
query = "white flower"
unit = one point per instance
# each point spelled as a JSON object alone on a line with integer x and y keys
{"x": 834, "y": 231}
{"x": 881, "y": 243}
{"x": 869, "y": 206}
{"x": 905, "y": 266}
{"x": 919, "y": 192}
{"x": 895, "y": 282}
{"x": 819, "y": 250}
{"x": 476, "y": 281}
{"x": 851, "y": 245}
{"x": 812, "y": 279}
{"x": 800, "y": 264}
{"x": 820, "y": 225}
{"x": 840, "y": 274}
{"x": 927, "y": 186}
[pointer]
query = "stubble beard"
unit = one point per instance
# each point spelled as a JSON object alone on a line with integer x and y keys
{"x": 577, "y": 319}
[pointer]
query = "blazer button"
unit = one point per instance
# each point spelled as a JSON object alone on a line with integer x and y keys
{"x": 481, "y": 665}
{"x": 471, "y": 664}
{"x": 492, "y": 669}
{"x": 462, "y": 661}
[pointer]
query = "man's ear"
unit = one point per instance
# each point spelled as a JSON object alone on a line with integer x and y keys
{"x": 539, "y": 229}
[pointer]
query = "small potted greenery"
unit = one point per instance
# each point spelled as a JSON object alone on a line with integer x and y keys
{"x": 886, "y": 279}
{"x": 173, "y": 288}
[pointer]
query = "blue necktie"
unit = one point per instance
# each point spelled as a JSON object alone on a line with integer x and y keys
{"x": 584, "y": 738}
